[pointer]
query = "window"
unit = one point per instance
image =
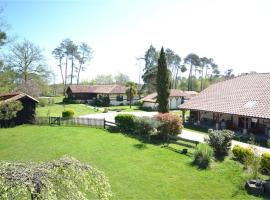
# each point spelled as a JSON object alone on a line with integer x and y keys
{"x": 119, "y": 98}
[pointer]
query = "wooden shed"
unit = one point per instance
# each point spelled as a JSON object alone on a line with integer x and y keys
{"x": 27, "y": 114}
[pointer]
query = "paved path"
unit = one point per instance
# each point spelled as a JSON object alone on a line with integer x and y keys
{"x": 196, "y": 136}
{"x": 111, "y": 115}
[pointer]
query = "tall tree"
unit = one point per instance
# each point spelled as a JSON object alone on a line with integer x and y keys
{"x": 84, "y": 55}
{"x": 173, "y": 62}
{"x": 163, "y": 83}
{"x": 150, "y": 69}
{"x": 131, "y": 91}
{"x": 59, "y": 55}
{"x": 192, "y": 60}
{"x": 73, "y": 52}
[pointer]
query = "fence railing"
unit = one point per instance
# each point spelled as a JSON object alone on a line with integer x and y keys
{"x": 75, "y": 121}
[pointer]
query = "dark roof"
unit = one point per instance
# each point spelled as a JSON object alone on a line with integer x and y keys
{"x": 247, "y": 95}
{"x": 98, "y": 89}
{"x": 173, "y": 93}
{"x": 7, "y": 97}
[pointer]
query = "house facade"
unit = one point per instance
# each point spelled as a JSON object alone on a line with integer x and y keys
{"x": 88, "y": 93}
{"x": 176, "y": 98}
{"x": 241, "y": 104}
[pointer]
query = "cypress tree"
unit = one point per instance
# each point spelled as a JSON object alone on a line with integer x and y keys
{"x": 163, "y": 83}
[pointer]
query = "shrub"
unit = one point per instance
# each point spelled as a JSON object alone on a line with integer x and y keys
{"x": 66, "y": 178}
{"x": 265, "y": 163}
{"x": 220, "y": 141}
{"x": 202, "y": 155}
{"x": 146, "y": 125}
{"x": 102, "y": 102}
{"x": 241, "y": 153}
{"x": 252, "y": 165}
{"x": 171, "y": 124}
{"x": 8, "y": 111}
{"x": 125, "y": 122}
{"x": 68, "y": 113}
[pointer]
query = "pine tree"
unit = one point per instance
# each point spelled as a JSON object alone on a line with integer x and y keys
{"x": 163, "y": 84}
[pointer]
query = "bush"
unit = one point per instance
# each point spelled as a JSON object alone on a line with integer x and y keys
{"x": 146, "y": 125}
{"x": 8, "y": 111}
{"x": 66, "y": 178}
{"x": 241, "y": 153}
{"x": 220, "y": 141}
{"x": 252, "y": 165}
{"x": 102, "y": 102}
{"x": 203, "y": 155}
{"x": 68, "y": 113}
{"x": 265, "y": 163}
{"x": 171, "y": 124}
{"x": 125, "y": 122}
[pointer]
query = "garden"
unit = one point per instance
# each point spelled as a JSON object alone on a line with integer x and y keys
{"x": 136, "y": 168}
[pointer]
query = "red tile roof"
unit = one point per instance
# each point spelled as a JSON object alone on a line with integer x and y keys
{"x": 173, "y": 93}
{"x": 98, "y": 89}
{"x": 7, "y": 97}
{"x": 247, "y": 95}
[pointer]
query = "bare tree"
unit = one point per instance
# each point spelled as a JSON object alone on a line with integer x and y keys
{"x": 26, "y": 59}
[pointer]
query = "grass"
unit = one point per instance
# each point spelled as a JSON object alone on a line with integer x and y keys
{"x": 125, "y": 108}
{"x": 55, "y": 110}
{"x": 136, "y": 170}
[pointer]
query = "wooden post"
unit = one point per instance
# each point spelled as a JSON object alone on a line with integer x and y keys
{"x": 183, "y": 116}
{"x": 104, "y": 125}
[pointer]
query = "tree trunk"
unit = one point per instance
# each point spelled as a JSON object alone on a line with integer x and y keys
{"x": 65, "y": 85}
{"x": 61, "y": 70}
{"x": 78, "y": 75}
{"x": 175, "y": 79}
{"x": 205, "y": 76}
{"x": 190, "y": 77}
{"x": 72, "y": 66}
{"x": 202, "y": 79}
{"x": 130, "y": 97}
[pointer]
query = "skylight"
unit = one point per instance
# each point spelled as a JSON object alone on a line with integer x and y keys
{"x": 250, "y": 104}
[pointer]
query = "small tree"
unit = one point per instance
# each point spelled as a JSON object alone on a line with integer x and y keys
{"x": 131, "y": 91}
{"x": 163, "y": 84}
{"x": 9, "y": 110}
{"x": 66, "y": 178}
{"x": 220, "y": 141}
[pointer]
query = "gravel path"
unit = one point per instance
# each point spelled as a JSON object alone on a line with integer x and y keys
{"x": 196, "y": 136}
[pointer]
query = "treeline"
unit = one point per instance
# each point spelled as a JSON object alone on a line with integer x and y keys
{"x": 189, "y": 73}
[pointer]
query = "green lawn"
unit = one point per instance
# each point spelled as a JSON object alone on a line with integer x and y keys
{"x": 55, "y": 110}
{"x": 125, "y": 108}
{"x": 135, "y": 170}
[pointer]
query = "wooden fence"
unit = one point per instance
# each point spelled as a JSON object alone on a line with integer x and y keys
{"x": 75, "y": 121}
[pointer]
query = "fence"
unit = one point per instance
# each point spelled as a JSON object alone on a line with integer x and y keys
{"x": 76, "y": 121}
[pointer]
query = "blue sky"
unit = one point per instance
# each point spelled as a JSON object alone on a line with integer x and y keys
{"x": 234, "y": 33}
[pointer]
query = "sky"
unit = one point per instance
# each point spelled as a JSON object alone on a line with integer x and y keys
{"x": 236, "y": 33}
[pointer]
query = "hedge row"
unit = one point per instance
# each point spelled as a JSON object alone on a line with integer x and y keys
{"x": 161, "y": 124}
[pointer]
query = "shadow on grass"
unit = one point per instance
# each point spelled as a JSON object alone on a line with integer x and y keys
{"x": 140, "y": 146}
{"x": 220, "y": 158}
{"x": 182, "y": 151}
